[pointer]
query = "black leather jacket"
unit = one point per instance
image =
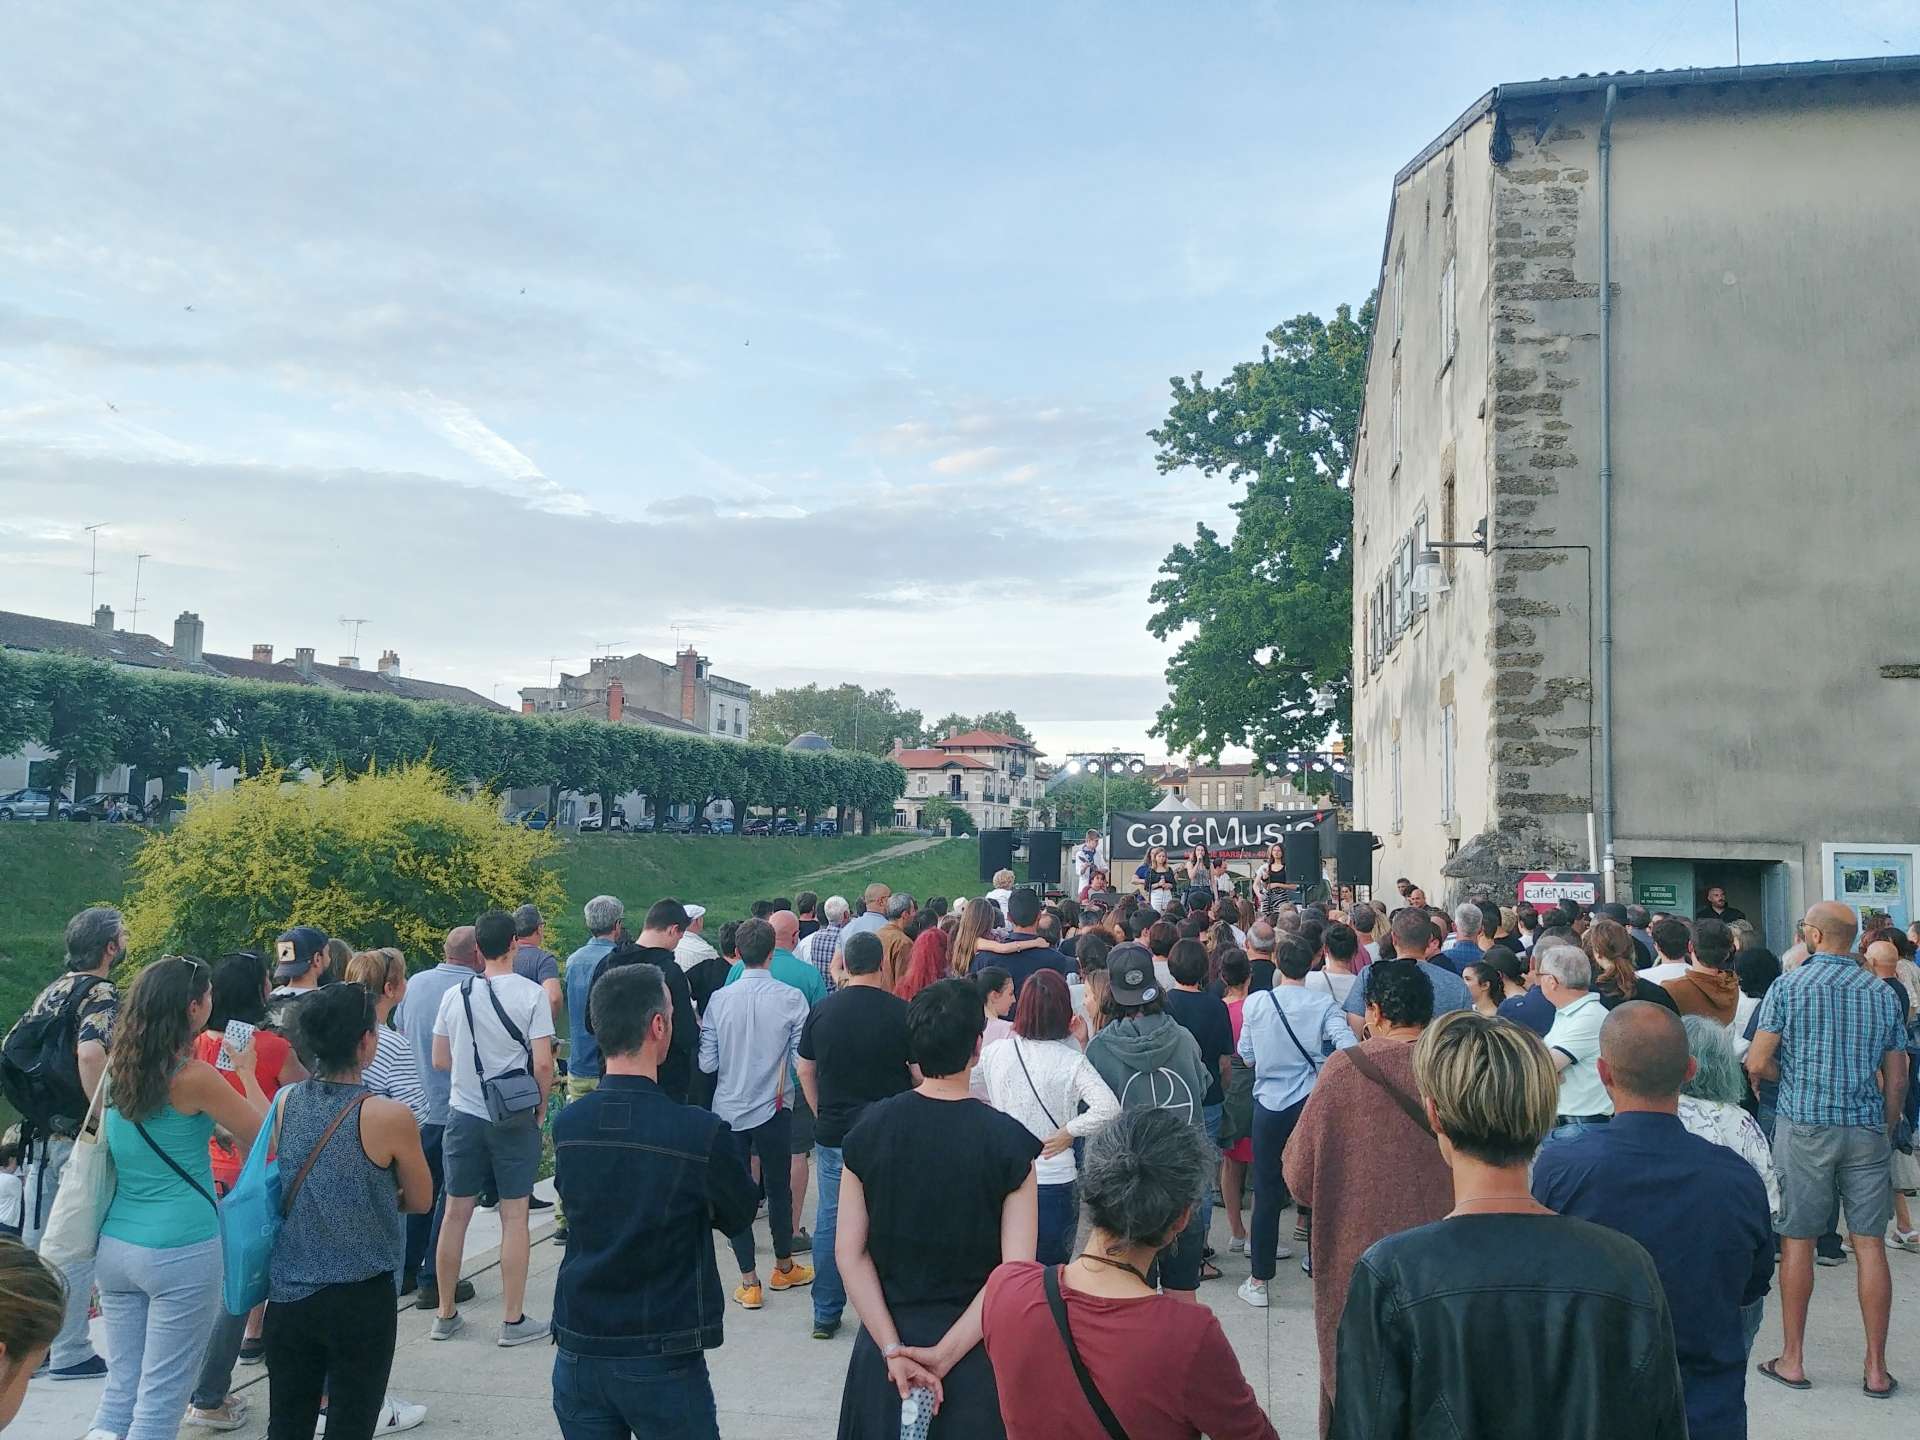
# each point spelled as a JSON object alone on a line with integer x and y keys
{"x": 1507, "y": 1325}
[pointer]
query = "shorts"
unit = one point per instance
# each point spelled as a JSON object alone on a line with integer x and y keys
{"x": 1818, "y": 1164}
{"x": 1179, "y": 1263}
{"x": 802, "y": 1126}
{"x": 479, "y": 1156}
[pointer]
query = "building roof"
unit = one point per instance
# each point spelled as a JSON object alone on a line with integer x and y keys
{"x": 630, "y": 714}
{"x": 936, "y": 760}
{"x": 809, "y": 740}
{"x": 983, "y": 740}
{"x": 1224, "y": 772}
{"x": 121, "y": 647}
{"x": 242, "y": 667}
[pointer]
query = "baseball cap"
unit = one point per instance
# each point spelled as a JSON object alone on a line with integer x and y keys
{"x": 694, "y": 912}
{"x": 296, "y": 949}
{"x": 1130, "y": 974}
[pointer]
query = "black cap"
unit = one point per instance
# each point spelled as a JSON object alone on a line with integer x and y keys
{"x": 1130, "y": 974}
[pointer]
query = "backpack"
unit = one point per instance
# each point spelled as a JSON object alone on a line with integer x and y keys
{"x": 39, "y": 1071}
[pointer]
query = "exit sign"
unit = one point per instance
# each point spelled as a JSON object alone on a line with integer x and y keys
{"x": 1658, "y": 897}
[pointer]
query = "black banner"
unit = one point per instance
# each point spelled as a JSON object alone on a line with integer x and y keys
{"x": 1236, "y": 834}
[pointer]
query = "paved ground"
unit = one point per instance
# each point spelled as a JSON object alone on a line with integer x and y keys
{"x": 892, "y": 852}
{"x": 774, "y": 1382}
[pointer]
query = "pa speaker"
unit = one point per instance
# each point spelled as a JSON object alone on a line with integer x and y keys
{"x": 1303, "y": 857}
{"x": 1353, "y": 856}
{"x": 1043, "y": 857}
{"x": 996, "y": 853}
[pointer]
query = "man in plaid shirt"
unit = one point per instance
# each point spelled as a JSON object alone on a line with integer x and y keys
{"x": 1835, "y": 1038}
{"x": 818, "y": 948}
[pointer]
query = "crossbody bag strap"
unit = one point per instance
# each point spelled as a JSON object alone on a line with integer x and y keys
{"x": 1058, "y": 1305}
{"x": 1312, "y": 1064}
{"x": 473, "y": 1035}
{"x": 1030, "y": 1085}
{"x": 507, "y": 1020}
{"x": 352, "y": 1106}
{"x": 174, "y": 1165}
{"x": 1364, "y": 1064}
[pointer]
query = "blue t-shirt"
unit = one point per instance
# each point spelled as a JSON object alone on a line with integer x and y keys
{"x": 1532, "y": 1010}
{"x": 1449, "y": 990}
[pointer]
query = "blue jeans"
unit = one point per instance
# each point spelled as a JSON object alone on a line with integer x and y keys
{"x": 1211, "y": 1114}
{"x": 1750, "y": 1318}
{"x": 159, "y": 1307}
{"x": 771, "y": 1140}
{"x": 1271, "y": 1131}
{"x": 1059, "y": 1219}
{"x": 42, "y": 1182}
{"x": 660, "y": 1397}
{"x": 829, "y": 1295}
{"x": 423, "y": 1231}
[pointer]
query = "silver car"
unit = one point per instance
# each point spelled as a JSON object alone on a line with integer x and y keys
{"x": 34, "y": 805}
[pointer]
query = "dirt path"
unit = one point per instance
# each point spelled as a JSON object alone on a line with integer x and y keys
{"x": 892, "y": 852}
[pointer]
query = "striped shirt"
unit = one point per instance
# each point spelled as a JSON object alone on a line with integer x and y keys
{"x": 1836, "y": 1024}
{"x": 395, "y": 1073}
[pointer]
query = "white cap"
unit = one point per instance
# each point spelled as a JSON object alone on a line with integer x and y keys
{"x": 694, "y": 912}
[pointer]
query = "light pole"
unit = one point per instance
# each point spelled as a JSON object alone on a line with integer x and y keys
{"x": 1106, "y": 765}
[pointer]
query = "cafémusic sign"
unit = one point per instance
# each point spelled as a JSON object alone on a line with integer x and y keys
{"x": 1233, "y": 833}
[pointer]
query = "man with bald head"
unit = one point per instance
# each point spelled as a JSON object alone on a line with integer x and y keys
{"x": 1836, "y": 1039}
{"x": 1699, "y": 1209}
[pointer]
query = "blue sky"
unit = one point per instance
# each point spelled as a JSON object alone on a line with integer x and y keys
{"x": 823, "y": 336}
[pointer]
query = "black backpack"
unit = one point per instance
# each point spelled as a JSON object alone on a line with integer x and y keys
{"x": 39, "y": 1072}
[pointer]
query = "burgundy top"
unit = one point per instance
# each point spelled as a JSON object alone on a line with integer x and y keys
{"x": 1193, "y": 1384}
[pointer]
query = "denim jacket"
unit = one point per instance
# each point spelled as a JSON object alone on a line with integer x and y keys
{"x": 644, "y": 1180}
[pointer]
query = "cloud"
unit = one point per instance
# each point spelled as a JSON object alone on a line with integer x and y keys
{"x": 969, "y": 462}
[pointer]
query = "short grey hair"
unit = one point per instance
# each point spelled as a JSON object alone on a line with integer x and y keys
{"x": 89, "y": 934}
{"x": 526, "y": 920}
{"x": 1362, "y": 917}
{"x": 1468, "y": 919}
{"x": 1260, "y": 938}
{"x": 836, "y": 909}
{"x": 604, "y": 913}
{"x": 1143, "y": 1171}
{"x": 899, "y": 906}
{"x": 1719, "y": 1076}
{"x": 1568, "y": 964}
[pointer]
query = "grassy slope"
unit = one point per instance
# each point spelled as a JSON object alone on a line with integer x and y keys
{"x": 47, "y": 872}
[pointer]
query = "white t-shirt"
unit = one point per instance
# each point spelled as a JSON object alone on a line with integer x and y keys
{"x": 1659, "y": 974}
{"x": 1000, "y": 897}
{"x": 524, "y": 1001}
{"x": 1338, "y": 986}
{"x": 12, "y": 1194}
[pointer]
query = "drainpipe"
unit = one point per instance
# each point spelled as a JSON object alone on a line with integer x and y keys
{"x": 1604, "y": 550}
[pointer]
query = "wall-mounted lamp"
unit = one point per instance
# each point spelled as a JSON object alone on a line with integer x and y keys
{"x": 1428, "y": 576}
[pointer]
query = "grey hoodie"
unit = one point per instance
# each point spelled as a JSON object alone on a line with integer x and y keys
{"x": 1151, "y": 1060}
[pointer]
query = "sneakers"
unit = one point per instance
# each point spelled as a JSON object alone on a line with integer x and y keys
{"x": 92, "y": 1368}
{"x": 1254, "y": 1292}
{"x": 748, "y": 1297}
{"x": 101, "y": 1435}
{"x": 397, "y": 1415}
{"x": 427, "y": 1296}
{"x": 1283, "y": 1251}
{"x": 1908, "y": 1240}
{"x": 254, "y": 1352}
{"x": 802, "y": 1240}
{"x": 445, "y": 1327}
{"x": 1237, "y": 1245}
{"x": 791, "y": 1278}
{"x": 537, "y": 1203}
{"x": 230, "y": 1416}
{"x": 1830, "y": 1260}
{"x": 523, "y": 1331}
{"x": 825, "y": 1329}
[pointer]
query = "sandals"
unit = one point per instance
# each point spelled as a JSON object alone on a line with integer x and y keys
{"x": 1886, "y": 1394}
{"x": 1765, "y": 1367}
{"x": 1210, "y": 1271}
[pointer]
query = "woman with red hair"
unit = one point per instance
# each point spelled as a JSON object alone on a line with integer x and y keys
{"x": 927, "y": 964}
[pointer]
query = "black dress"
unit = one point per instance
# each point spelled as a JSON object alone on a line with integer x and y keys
{"x": 936, "y": 1173}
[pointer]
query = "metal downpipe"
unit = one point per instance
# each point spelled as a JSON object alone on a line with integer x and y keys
{"x": 1604, "y": 550}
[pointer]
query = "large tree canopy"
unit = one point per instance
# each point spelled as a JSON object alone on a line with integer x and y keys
{"x": 1264, "y": 618}
{"x": 955, "y": 723}
{"x": 851, "y": 717}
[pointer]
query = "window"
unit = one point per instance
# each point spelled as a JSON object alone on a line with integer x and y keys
{"x": 1415, "y": 544}
{"x": 1399, "y": 308}
{"x": 1240, "y": 797}
{"x": 1398, "y": 796}
{"x": 1448, "y": 813}
{"x": 1449, "y": 334}
{"x": 1394, "y": 425}
{"x": 1402, "y": 592}
{"x": 953, "y": 786}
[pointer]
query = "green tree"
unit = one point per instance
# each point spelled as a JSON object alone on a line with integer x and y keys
{"x": 952, "y": 723}
{"x": 937, "y": 812}
{"x": 1076, "y": 803}
{"x": 1006, "y": 722}
{"x": 852, "y": 717}
{"x": 1265, "y": 658}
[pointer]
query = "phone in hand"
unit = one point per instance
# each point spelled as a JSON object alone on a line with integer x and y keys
{"x": 239, "y": 1035}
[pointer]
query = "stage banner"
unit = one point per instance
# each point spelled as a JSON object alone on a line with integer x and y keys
{"x": 1236, "y": 834}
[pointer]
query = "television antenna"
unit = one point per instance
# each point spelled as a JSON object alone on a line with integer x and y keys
{"x": 94, "y": 573}
{"x": 356, "y": 621}
{"x": 139, "y": 562}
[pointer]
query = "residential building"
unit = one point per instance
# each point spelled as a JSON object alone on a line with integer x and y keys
{"x": 685, "y": 696}
{"x": 986, "y": 773}
{"x": 1651, "y": 335}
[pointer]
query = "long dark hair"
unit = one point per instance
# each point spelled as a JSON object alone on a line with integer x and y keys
{"x": 239, "y": 985}
{"x": 152, "y": 1033}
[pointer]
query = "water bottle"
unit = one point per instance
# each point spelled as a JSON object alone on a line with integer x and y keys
{"x": 916, "y": 1413}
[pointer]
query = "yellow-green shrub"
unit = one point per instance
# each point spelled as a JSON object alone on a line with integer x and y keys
{"x": 391, "y": 857}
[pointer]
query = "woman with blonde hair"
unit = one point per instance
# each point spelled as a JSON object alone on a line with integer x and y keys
{"x": 977, "y": 924}
{"x": 1615, "y": 958}
{"x": 32, "y": 1304}
{"x": 394, "y": 1072}
{"x": 1502, "y": 1263}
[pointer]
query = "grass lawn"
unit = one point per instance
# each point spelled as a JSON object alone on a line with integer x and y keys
{"x": 50, "y": 871}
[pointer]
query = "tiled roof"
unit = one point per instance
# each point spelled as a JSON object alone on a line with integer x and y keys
{"x": 401, "y": 687}
{"x": 122, "y": 647}
{"x": 936, "y": 760}
{"x": 241, "y": 667}
{"x": 983, "y": 740}
{"x": 1221, "y": 772}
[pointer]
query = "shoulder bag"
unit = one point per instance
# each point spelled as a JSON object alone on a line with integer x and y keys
{"x": 515, "y": 1092}
{"x": 1364, "y": 1064}
{"x": 87, "y": 1186}
{"x": 1312, "y": 1063}
{"x": 1058, "y": 1305}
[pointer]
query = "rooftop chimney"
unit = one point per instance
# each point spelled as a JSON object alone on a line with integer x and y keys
{"x": 303, "y": 661}
{"x": 390, "y": 662}
{"x": 189, "y": 634}
{"x": 526, "y": 706}
{"x": 688, "y": 661}
{"x": 616, "y": 701}
{"x": 349, "y": 662}
{"x": 263, "y": 654}
{"x": 103, "y": 619}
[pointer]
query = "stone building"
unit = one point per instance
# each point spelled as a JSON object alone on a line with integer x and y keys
{"x": 1728, "y": 510}
{"x": 985, "y": 773}
{"x": 639, "y": 690}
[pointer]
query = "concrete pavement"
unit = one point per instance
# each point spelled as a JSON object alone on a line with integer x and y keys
{"x": 773, "y": 1381}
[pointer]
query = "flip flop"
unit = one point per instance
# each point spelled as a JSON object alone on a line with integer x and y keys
{"x": 1886, "y": 1394}
{"x": 1765, "y": 1367}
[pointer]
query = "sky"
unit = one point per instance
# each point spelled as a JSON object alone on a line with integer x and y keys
{"x": 824, "y": 337}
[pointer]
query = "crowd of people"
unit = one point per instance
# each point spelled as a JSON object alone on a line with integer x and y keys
{"x": 1603, "y": 1130}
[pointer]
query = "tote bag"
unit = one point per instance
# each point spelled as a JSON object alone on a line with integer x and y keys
{"x": 250, "y": 1220}
{"x": 86, "y": 1191}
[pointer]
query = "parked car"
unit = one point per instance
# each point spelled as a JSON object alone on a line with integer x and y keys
{"x": 115, "y": 807}
{"x": 723, "y": 827}
{"x": 671, "y": 826}
{"x": 531, "y": 819}
{"x": 784, "y": 826}
{"x": 826, "y": 827}
{"x": 596, "y": 821}
{"x": 759, "y": 825}
{"x": 642, "y": 826}
{"x": 34, "y": 805}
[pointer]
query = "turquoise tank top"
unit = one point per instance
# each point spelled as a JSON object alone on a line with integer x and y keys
{"x": 153, "y": 1206}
